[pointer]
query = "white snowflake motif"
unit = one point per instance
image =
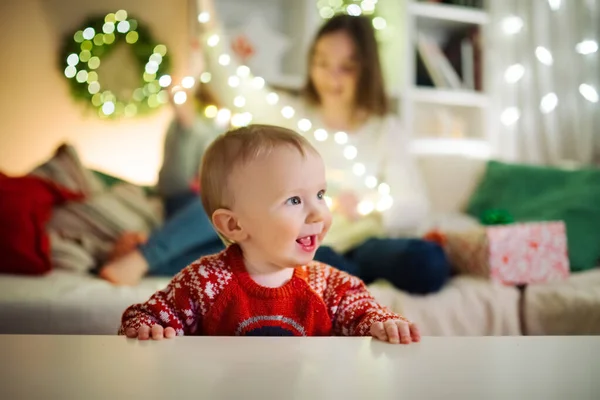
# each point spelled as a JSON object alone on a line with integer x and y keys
{"x": 152, "y": 302}
{"x": 164, "y": 316}
{"x": 209, "y": 291}
{"x": 202, "y": 271}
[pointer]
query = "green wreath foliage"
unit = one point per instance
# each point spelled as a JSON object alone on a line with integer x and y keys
{"x": 82, "y": 54}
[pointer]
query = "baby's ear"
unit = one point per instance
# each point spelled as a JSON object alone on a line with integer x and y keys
{"x": 227, "y": 224}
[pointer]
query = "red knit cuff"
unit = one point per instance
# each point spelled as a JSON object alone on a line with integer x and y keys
{"x": 364, "y": 327}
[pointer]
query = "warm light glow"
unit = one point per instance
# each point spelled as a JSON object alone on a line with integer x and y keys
{"x": 584, "y": 47}
{"x": 350, "y": 152}
{"x": 224, "y": 59}
{"x": 203, "y": 17}
{"x": 384, "y": 204}
{"x": 365, "y": 207}
{"x": 371, "y": 182}
{"x": 321, "y": 135}
{"x": 354, "y": 9}
{"x": 554, "y": 4}
{"x": 288, "y": 112}
{"x": 243, "y": 71}
{"x": 123, "y": 26}
{"x": 258, "y": 82}
{"x": 239, "y": 101}
{"x": 379, "y": 23}
{"x": 108, "y": 108}
{"x": 359, "y": 169}
{"x": 73, "y": 59}
{"x": 272, "y": 98}
{"x": 548, "y": 103}
{"x": 588, "y": 92}
{"x": 223, "y": 116}
{"x": 510, "y": 116}
{"x": 512, "y": 25}
{"x": 341, "y": 137}
{"x": 304, "y": 125}
{"x": 211, "y": 111}
{"x": 544, "y": 55}
{"x": 205, "y": 77}
{"x": 514, "y": 73}
{"x": 180, "y": 97}
{"x": 88, "y": 33}
{"x": 213, "y": 40}
{"x": 188, "y": 82}
{"x": 384, "y": 189}
{"x": 165, "y": 80}
{"x": 233, "y": 81}
{"x": 328, "y": 201}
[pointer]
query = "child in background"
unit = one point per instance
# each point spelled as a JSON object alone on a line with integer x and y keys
{"x": 263, "y": 188}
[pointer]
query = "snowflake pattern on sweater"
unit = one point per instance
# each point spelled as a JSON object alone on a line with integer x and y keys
{"x": 215, "y": 295}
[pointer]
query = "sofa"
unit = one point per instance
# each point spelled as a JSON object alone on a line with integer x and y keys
{"x": 71, "y": 302}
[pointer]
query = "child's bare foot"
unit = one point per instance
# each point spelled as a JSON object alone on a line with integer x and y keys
{"x": 127, "y": 270}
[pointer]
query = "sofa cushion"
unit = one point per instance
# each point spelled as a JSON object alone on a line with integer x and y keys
{"x": 112, "y": 207}
{"x": 25, "y": 207}
{"x": 534, "y": 193}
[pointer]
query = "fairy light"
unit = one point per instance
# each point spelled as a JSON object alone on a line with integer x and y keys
{"x": 233, "y": 81}
{"x": 239, "y": 101}
{"x": 341, "y": 137}
{"x": 304, "y": 125}
{"x": 203, "y": 17}
{"x": 188, "y": 82}
{"x": 272, "y": 98}
{"x": 287, "y": 112}
{"x": 243, "y": 71}
{"x": 224, "y": 116}
{"x": 321, "y": 135}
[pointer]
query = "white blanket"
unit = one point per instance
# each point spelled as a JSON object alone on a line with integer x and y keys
{"x": 64, "y": 302}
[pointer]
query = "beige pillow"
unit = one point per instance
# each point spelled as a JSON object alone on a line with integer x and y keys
{"x": 92, "y": 226}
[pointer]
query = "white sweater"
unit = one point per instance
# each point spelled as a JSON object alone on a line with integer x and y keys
{"x": 381, "y": 145}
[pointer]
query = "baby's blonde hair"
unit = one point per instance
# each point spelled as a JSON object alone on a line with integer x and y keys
{"x": 235, "y": 149}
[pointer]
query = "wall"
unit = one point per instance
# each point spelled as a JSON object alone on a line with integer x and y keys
{"x": 36, "y": 109}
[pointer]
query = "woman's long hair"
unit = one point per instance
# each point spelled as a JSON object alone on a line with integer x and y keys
{"x": 370, "y": 90}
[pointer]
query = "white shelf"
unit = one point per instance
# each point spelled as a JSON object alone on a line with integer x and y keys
{"x": 459, "y": 98}
{"x": 475, "y": 148}
{"x": 448, "y": 14}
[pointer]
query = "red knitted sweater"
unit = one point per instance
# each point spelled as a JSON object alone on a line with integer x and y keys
{"x": 216, "y": 296}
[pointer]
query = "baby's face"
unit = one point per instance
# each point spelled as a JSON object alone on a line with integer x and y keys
{"x": 279, "y": 202}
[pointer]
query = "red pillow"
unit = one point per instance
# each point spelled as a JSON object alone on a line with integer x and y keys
{"x": 25, "y": 207}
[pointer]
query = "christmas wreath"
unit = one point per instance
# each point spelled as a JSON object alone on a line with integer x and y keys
{"x": 83, "y": 52}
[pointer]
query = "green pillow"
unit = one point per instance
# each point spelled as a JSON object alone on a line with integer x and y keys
{"x": 534, "y": 193}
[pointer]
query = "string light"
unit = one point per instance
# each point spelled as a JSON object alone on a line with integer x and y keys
{"x": 588, "y": 92}
{"x": 544, "y": 55}
{"x": 510, "y": 116}
{"x": 512, "y": 25}
{"x": 587, "y": 47}
{"x": 514, "y": 73}
{"x": 548, "y": 103}
{"x": 224, "y": 116}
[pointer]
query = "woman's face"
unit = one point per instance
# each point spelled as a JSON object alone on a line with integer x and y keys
{"x": 335, "y": 70}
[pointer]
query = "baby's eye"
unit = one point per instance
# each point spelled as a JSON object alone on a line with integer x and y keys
{"x": 294, "y": 201}
{"x": 321, "y": 195}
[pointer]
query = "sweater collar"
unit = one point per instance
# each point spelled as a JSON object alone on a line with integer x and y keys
{"x": 235, "y": 258}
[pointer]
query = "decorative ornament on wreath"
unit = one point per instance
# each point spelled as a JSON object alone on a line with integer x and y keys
{"x": 84, "y": 52}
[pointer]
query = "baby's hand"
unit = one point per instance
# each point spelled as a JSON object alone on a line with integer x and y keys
{"x": 396, "y": 331}
{"x": 145, "y": 332}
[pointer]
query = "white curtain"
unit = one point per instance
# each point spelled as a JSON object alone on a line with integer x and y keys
{"x": 544, "y": 79}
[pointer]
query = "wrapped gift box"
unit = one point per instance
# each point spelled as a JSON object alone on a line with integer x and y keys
{"x": 513, "y": 254}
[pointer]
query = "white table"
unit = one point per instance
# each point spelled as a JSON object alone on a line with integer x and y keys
{"x": 111, "y": 367}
